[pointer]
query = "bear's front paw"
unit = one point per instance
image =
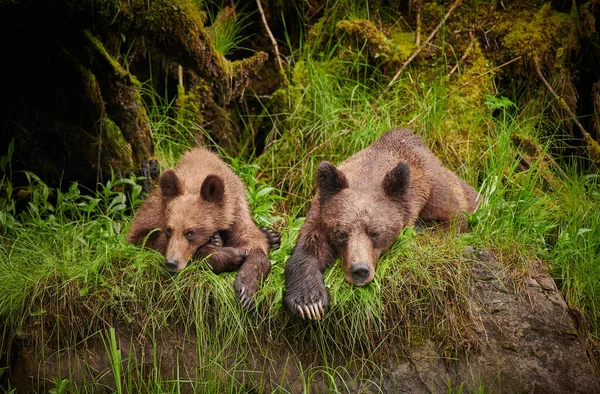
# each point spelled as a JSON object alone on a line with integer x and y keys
{"x": 273, "y": 238}
{"x": 234, "y": 255}
{"x": 225, "y": 258}
{"x": 247, "y": 282}
{"x": 307, "y": 299}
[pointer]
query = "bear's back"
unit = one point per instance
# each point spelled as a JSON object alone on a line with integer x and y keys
{"x": 368, "y": 167}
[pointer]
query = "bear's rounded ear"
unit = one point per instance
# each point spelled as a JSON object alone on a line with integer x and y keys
{"x": 169, "y": 184}
{"x": 330, "y": 181}
{"x": 213, "y": 189}
{"x": 396, "y": 181}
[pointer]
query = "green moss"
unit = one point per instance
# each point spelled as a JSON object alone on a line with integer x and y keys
{"x": 90, "y": 88}
{"x": 389, "y": 50}
{"x": 132, "y": 119}
{"x": 432, "y": 10}
{"x": 114, "y": 96}
{"x": 593, "y": 149}
{"x": 189, "y": 113}
{"x": 404, "y": 43}
{"x": 109, "y": 62}
{"x": 189, "y": 103}
{"x": 99, "y": 49}
{"x": 461, "y": 140}
{"x": 176, "y": 28}
{"x": 364, "y": 29}
{"x": 238, "y": 73}
{"x": 197, "y": 110}
{"x": 180, "y": 25}
{"x": 115, "y": 146}
{"x": 168, "y": 19}
{"x": 317, "y": 32}
{"x": 545, "y": 36}
{"x": 300, "y": 73}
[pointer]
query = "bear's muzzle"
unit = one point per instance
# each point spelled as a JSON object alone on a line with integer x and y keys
{"x": 358, "y": 259}
{"x": 360, "y": 272}
{"x": 172, "y": 265}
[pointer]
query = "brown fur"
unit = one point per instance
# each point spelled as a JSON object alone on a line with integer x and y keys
{"x": 360, "y": 208}
{"x": 202, "y": 197}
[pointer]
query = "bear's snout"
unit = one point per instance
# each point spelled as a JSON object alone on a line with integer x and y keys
{"x": 359, "y": 259}
{"x": 172, "y": 265}
{"x": 360, "y": 272}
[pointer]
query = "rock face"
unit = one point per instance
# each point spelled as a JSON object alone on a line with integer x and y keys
{"x": 526, "y": 339}
{"x": 529, "y": 342}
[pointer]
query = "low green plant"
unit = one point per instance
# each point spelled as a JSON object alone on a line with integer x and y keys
{"x": 172, "y": 135}
{"x": 114, "y": 357}
{"x": 227, "y": 26}
{"x": 575, "y": 256}
{"x": 60, "y": 386}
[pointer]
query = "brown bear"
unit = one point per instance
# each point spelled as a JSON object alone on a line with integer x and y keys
{"x": 200, "y": 210}
{"x": 360, "y": 209}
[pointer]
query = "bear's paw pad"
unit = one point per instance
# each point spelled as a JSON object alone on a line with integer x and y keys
{"x": 216, "y": 240}
{"x": 273, "y": 238}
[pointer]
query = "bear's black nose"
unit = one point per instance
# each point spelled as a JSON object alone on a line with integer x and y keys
{"x": 360, "y": 272}
{"x": 171, "y": 265}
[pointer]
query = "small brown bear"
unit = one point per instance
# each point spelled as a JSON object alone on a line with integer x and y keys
{"x": 360, "y": 209}
{"x": 200, "y": 210}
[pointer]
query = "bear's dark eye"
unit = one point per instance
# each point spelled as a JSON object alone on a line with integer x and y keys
{"x": 190, "y": 234}
{"x": 341, "y": 236}
{"x": 169, "y": 231}
{"x": 373, "y": 234}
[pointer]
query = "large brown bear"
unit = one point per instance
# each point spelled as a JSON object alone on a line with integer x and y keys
{"x": 200, "y": 210}
{"x": 360, "y": 209}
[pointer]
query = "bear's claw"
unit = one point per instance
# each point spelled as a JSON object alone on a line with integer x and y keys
{"x": 216, "y": 240}
{"x": 312, "y": 311}
{"x": 307, "y": 301}
{"x": 246, "y": 300}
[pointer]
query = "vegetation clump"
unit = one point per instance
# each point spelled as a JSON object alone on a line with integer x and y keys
{"x": 391, "y": 50}
{"x": 547, "y": 36}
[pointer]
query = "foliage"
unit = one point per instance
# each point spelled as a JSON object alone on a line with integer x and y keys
{"x": 226, "y": 28}
{"x": 547, "y": 32}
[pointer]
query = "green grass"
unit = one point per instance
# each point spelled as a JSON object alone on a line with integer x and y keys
{"x": 575, "y": 258}
{"x": 226, "y": 28}
{"x": 67, "y": 275}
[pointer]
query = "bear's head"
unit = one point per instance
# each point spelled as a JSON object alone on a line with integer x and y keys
{"x": 191, "y": 217}
{"x": 362, "y": 220}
